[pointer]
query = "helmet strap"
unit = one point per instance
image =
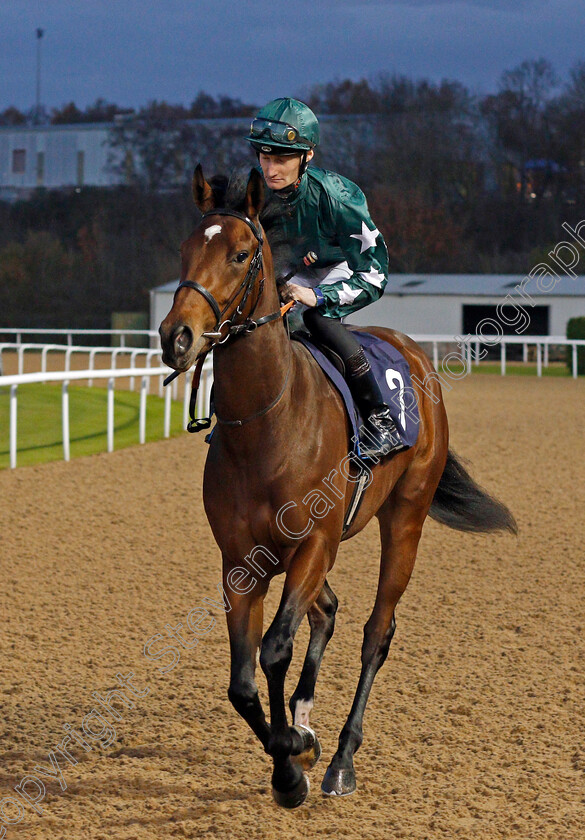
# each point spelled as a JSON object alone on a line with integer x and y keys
{"x": 303, "y": 166}
{"x": 302, "y": 169}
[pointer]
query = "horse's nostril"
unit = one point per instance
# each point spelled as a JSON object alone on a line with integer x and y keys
{"x": 183, "y": 340}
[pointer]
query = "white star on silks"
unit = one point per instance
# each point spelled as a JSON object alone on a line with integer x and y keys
{"x": 374, "y": 277}
{"x": 347, "y": 294}
{"x": 367, "y": 237}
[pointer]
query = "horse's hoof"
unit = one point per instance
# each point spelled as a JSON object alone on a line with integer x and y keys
{"x": 295, "y": 797}
{"x": 312, "y": 751}
{"x": 339, "y": 782}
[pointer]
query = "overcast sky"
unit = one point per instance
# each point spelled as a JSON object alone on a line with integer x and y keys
{"x": 133, "y": 51}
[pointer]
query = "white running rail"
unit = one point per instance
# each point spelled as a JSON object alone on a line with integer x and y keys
{"x": 12, "y": 382}
{"x": 67, "y": 352}
{"x": 473, "y": 344}
{"x": 470, "y": 355}
{"x": 69, "y": 333}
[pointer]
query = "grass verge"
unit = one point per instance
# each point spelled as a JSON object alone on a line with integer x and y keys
{"x": 39, "y": 422}
{"x": 514, "y": 369}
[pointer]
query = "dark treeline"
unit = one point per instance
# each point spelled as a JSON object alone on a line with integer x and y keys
{"x": 203, "y": 106}
{"x": 466, "y": 183}
{"x": 74, "y": 258}
{"x": 456, "y": 182}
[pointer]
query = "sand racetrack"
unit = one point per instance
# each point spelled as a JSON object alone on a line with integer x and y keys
{"x": 475, "y": 727}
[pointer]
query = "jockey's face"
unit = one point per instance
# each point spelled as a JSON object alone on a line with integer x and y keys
{"x": 281, "y": 171}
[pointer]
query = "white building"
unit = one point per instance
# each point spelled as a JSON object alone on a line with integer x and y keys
{"x": 54, "y": 156}
{"x": 78, "y": 155}
{"x": 454, "y": 304}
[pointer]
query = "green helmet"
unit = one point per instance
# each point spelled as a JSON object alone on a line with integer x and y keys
{"x": 284, "y": 125}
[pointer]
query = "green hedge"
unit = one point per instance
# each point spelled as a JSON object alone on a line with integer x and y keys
{"x": 576, "y": 329}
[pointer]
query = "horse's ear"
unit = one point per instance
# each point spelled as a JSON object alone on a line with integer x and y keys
{"x": 202, "y": 192}
{"x": 254, "y": 194}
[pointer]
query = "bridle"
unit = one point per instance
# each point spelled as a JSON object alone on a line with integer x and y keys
{"x": 248, "y": 325}
{"x": 234, "y": 328}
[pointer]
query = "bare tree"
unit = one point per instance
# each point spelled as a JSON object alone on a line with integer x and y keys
{"x": 520, "y": 115}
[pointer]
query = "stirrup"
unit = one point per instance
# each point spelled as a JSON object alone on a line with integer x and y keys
{"x": 380, "y": 437}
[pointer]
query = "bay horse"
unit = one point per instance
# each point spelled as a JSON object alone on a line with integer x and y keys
{"x": 282, "y": 432}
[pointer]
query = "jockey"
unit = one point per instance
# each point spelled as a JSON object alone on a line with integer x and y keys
{"x": 326, "y": 218}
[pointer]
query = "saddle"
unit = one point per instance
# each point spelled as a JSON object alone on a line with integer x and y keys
{"x": 392, "y": 375}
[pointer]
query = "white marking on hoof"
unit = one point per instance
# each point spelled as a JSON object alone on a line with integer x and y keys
{"x": 335, "y": 793}
{"x": 211, "y": 231}
{"x": 302, "y": 712}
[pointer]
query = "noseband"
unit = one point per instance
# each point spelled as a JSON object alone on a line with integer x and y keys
{"x": 245, "y": 288}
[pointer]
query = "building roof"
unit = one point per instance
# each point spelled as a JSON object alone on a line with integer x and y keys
{"x": 50, "y": 128}
{"x": 482, "y": 285}
{"x": 474, "y": 285}
{"x": 57, "y": 128}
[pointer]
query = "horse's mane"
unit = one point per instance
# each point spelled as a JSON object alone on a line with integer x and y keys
{"x": 230, "y": 192}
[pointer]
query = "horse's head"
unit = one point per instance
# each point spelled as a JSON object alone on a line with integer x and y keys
{"x": 221, "y": 262}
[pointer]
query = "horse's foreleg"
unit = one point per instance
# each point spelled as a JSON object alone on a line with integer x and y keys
{"x": 400, "y": 539}
{"x": 245, "y": 631}
{"x": 304, "y": 580}
{"x": 322, "y": 621}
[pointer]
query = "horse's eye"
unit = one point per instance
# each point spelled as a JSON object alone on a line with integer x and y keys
{"x": 242, "y": 256}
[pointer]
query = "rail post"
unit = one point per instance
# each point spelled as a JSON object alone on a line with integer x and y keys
{"x": 142, "y": 414}
{"x": 13, "y": 418}
{"x": 65, "y": 420}
{"x": 110, "y": 413}
{"x": 167, "y": 426}
{"x": 132, "y": 364}
{"x": 92, "y": 354}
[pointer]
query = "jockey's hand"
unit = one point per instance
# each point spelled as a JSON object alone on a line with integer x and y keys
{"x": 301, "y": 294}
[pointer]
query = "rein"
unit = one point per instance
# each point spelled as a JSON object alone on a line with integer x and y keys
{"x": 245, "y": 327}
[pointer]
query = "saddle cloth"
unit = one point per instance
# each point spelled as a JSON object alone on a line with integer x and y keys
{"x": 392, "y": 375}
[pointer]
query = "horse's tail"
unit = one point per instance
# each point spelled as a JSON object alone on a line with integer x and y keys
{"x": 460, "y": 503}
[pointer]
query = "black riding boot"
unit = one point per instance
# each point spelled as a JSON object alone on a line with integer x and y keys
{"x": 378, "y": 435}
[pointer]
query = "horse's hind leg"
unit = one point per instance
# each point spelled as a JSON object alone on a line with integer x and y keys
{"x": 322, "y": 621}
{"x": 400, "y": 528}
